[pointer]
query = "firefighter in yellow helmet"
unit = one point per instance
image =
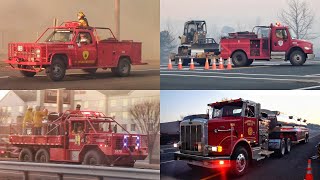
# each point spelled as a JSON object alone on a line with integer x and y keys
{"x": 27, "y": 119}
{"x": 82, "y": 19}
{"x": 37, "y": 119}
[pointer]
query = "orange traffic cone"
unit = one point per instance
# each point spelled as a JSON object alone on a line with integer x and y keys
{"x": 169, "y": 64}
{"x": 191, "y": 64}
{"x": 221, "y": 66}
{"x": 229, "y": 66}
{"x": 180, "y": 64}
{"x": 214, "y": 65}
{"x": 309, "y": 171}
{"x": 206, "y": 66}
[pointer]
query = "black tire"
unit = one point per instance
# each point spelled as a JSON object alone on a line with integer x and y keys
{"x": 250, "y": 61}
{"x": 42, "y": 156}
{"x": 93, "y": 157}
{"x": 280, "y": 152}
{"x": 90, "y": 71}
{"x": 26, "y": 155}
{"x": 57, "y": 70}
{"x": 239, "y": 59}
{"x": 123, "y": 68}
{"x": 239, "y": 162}
{"x": 297, "y": 58}
{"x": 288, "y": 145}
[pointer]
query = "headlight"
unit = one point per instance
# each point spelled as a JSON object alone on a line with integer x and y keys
{"x": 38, "y": 53}
{"x": 307, "y": 48}
{"x": 175, "y": 145}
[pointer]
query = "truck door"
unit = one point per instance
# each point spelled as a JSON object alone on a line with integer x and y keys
{"x": 76, "y": 135}
{"x": 86, "y": 52}
{"x": 250, "y": 123}
{"x": 280, "y": 39}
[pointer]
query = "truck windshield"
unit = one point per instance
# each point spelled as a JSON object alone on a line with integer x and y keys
{"x": 292, "y": 34}
{"x": 59, "y": 35}
{"x": 225, "y": 111}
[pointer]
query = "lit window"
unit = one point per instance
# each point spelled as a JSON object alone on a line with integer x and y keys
{"x": 125, "y": 102}
{"x": 125, "y": 115}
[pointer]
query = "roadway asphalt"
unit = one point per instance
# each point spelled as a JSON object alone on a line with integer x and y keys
{"x": 290, "y": 167}
{"x": 141, "y": 77}
{"x": 260, "y": 75}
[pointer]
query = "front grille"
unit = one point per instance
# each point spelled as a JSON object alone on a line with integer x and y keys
{"x": 190, "y": 137}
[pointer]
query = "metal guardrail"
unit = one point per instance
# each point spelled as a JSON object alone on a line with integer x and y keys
{"x": 99, "y": 172}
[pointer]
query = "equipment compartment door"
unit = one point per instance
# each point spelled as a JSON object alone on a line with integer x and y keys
{"x": 250, "y": 123}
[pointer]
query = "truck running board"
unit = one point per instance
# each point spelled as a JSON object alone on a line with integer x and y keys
{"x": 259, "y": 154}
{"x": 278, "y": 55}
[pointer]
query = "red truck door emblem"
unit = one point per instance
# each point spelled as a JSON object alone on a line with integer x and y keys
{"x": 85, "y": 55}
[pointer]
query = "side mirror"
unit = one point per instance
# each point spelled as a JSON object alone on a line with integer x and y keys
{"x": 290, "y": 117}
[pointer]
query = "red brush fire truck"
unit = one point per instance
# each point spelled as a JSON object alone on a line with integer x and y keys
{"x": 86, "y": 137}
{"x": 237, "y": 132}
{"x": 71, "y": 46}
{"x": 265, "y": 43}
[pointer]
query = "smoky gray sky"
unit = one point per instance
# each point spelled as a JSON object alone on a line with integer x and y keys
{"x": 241, "y": 15}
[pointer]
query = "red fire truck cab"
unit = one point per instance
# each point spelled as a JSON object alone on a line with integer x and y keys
{"x": 265, "y": 43}
{"x": 70, "y": 46}
{"x": 237, "y": 132}
{"x": 86, "y": 137}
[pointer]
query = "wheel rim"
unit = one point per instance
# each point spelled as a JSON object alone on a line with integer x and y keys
{"x": 26, "y": 158}
{"x": 240, "y": 163}
{"x": 297, "y": 57}
{"x": 57, "y": 70}
{"x": 92, "y": 161}
{"x": 124, "y": 68}
{"x": 43, "y": 158}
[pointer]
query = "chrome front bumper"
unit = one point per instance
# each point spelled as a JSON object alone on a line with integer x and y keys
{"x": 311, "y": 56}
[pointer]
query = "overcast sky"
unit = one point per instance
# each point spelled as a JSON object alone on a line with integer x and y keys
{"x": 304, "y": 104}
{"x": 219, "y": 13}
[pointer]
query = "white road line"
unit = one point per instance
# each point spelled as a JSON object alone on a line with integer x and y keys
{"x": 228, "y": 77}
{"x": 246, "y": 74}
{"x": 167, "y": 161}
{"x": 306, "y": 88}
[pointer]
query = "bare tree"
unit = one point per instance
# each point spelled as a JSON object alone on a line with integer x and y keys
{"x": 299, "y": 17}
{"x": 147, "y": 116}
{"x": 168, "y": 42}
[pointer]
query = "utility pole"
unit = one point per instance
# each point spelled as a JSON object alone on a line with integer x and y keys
{"x": 117, "y": 17}
{"x": 60, "y": 100}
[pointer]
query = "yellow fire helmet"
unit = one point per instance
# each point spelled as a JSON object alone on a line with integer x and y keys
{"x": 81, "y": 14}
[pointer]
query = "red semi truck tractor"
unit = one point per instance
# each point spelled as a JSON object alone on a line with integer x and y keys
{"x": 86, "y": 137}
{"x": 236, "y": 133}
{"x": 70, "y": 46}
{"x": 265, "y": 43}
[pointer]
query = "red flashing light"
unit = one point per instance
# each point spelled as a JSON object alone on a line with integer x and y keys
{"x": 2, "y": 152}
